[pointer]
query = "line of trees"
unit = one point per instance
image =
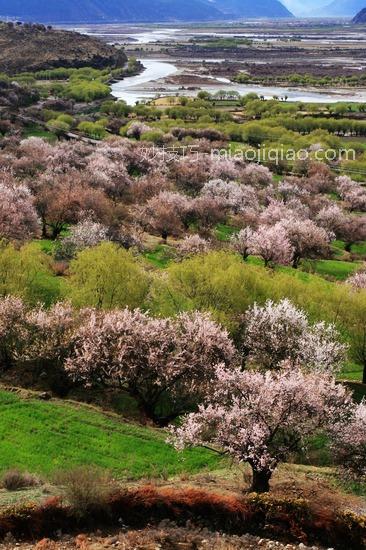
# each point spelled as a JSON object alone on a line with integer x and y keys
{"x": 258, "y": 403}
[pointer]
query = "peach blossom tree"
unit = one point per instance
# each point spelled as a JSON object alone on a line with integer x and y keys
{"x": 261, "y": 418}
{"x": 167, "y": 365}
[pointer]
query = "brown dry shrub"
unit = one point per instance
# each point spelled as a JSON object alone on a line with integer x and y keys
{"x": 46, "y": 544}
{"x": 14, "y": 480}
{"x": 60, "y": 268}
{"x": 86, "y": 489}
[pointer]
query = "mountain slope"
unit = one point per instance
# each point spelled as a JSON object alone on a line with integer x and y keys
{"x": 261, "y": 8}
{"x": 346, "y": 8}
{"x": 98, "y": 11}
{"x": 360, "y": 18}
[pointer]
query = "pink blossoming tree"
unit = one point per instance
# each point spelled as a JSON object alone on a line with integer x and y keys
{"x": 349, "y": 443}
{"x": 192, "y": 245}
{"x": 307, "y": 239}
{"x": 18, "y": 217}
{"x": 272, "y": 245}
{"x": 241, "y": 242}
{"x": 357, "y": 280}
{"x": 262, "y": 418}
{"x": 167, "y": 365}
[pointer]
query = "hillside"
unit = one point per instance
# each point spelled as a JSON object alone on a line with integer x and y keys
{"x": 29, "y": 48}
{"x": 95, "y": 11}
{"x": 360, "y": 18}
{"x": 344, "y": 8}
{"x": 46, "y": 436}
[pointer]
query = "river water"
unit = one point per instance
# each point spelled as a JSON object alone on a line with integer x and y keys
{"x": 145, "y": 86}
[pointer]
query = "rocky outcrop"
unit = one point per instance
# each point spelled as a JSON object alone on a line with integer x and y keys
{"x": 35, "y": 47}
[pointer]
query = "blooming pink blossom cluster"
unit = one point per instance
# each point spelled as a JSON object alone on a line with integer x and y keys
{"x": 349, "y": 442}
{"x": 85, "y": 234}
{"x": 256, "y": 175}
{"x": 357, "y": 280}
{"x": 286, "y": 242}
{"x": 170, "y": 361}
{"x": 352, "y": 193}
{"x": 277, "y": 332}
{"x": 192, "y": 245}
{"x": 28, "y": 334}
{"x": 18, "y": 216}
{"x": 272, "y": 245}
{"x": 232, "y": 195}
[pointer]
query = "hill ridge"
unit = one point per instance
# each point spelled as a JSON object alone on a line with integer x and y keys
{"x": 129, "y": 11}
{"x": 35, "y": 47}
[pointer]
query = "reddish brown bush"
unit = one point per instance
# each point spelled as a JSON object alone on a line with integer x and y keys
{"x": 284, "y": 519}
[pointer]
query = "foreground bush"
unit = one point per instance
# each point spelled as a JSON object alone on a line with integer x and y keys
{"x": 289, "y": 520}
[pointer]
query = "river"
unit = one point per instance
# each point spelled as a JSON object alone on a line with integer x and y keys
{"x": 151, "y": 82}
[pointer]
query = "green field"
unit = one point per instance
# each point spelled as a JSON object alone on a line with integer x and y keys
{"x": 160, "y": 257}
{"x": 224, "y": 232}
{"x": 43, "y": 437}
{"x": 38, "y": 131}
{"x": 335, "y": 269}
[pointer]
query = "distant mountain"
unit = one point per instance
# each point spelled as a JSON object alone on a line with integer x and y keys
{"x": 98, "y": 11}
{"x": 343, "y": 8}
{"x": 360, "y": 18}
{"x": 261, "y": 8}
{"x": 109, "y": 11}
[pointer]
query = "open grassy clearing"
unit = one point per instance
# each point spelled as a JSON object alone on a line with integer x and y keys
{"x": 160, "y": 257}
{"x": 336, "y": 269}
{"x": 43, "y": 437}
{"x": 38, "y": 131}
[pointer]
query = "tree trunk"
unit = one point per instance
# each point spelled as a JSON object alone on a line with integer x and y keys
{"x": 44, "y": 229}
{"x": 296, "y": 261}
{"x": 260, "y": 483}
{"x": 6, "y": 361}
{"x": 55, "y": 232}
{"x": 164, "y": 236}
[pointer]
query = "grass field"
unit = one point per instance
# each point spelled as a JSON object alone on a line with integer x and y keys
{"x": 43, "y": 437}
{"x": 37, "y": 131}
{"x": 334, "y": 269}
{"x": 224, "y": 232}
{"x": 160, "y": 256}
